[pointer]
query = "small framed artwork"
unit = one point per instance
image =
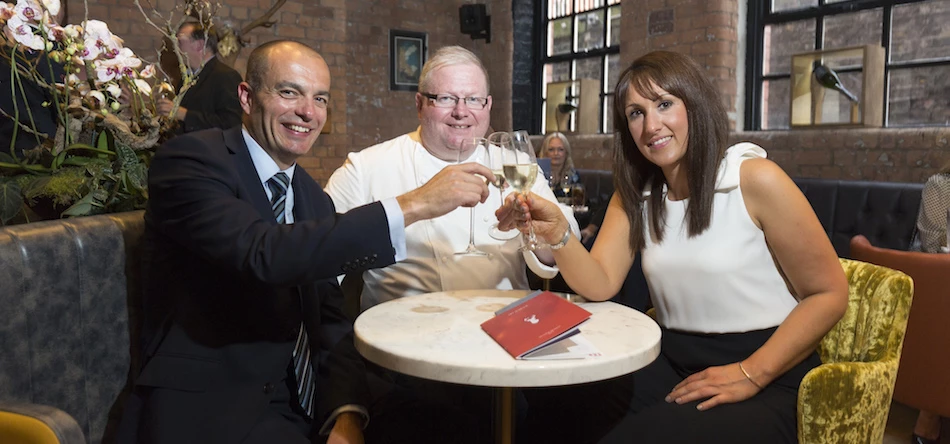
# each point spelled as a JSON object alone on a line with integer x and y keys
{"x": 407, "y": 53}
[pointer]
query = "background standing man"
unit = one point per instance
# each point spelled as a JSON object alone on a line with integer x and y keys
{"x": 212, "y": 100}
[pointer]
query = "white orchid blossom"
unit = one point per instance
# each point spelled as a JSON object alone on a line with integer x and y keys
{"x": 52, "y": 6}
{"x": 28, "y": 10}
{"x": 99, "y": 97}
{"x": 148, "y": 72}
{"x": 114, "y": 90}
{"x": 122, "y": 63}
{"x": 23, "y": 33}
{"x": 143, "y": 86}
{"x": 6, "y": 11}
{"x": 98, "y": 40}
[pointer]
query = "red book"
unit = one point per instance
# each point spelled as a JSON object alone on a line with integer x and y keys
{"x": 534, "y": 322}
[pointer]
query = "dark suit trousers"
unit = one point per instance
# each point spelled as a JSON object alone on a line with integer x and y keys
{"x": 279, "y": 423}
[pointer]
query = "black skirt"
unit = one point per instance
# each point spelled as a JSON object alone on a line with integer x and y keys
{"x": 767, "y": 417}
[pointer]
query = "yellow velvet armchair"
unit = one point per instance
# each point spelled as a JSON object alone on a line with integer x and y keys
{"x": 847, "y": 398}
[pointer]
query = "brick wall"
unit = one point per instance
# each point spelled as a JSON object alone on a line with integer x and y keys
{"x": 373, "y": 112}
{"x": 704, "y": 29}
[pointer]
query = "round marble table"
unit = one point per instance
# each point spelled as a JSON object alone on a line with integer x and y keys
{"x": 438, "y": 336}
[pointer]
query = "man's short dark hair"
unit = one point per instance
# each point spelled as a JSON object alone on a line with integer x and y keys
{"x": 199, "y": 31}
{"x": 257, "y": 62}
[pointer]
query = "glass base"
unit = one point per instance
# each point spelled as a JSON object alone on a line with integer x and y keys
{"x": 472, "y": 251}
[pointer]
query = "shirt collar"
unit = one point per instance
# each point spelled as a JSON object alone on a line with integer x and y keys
{"x": 265, "y": 165}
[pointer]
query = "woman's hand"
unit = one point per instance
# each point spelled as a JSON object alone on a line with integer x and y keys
{"x": 717, "y": 385}
{"x": 548, "y": 220}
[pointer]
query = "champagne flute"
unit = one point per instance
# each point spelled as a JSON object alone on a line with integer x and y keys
{"x": 474, "y": 147}
{"x": 565, "y": 184}
{"x": 498, "y": 143}
{"x": 521, "y": 170}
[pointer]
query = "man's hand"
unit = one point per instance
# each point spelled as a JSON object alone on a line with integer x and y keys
{"x": 347, "y": 429}
{"x": 456, "y": 185}
{"x": 164, "y": 106}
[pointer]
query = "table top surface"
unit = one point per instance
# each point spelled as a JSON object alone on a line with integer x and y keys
{"x": 439, "y": 336}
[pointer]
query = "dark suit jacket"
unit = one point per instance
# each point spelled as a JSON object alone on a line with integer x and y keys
{"x": 45, "y": 118}
{"x": 212, "y": 101}
{"x": 226, "y": 288}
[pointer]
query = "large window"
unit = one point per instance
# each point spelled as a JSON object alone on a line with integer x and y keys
{"x": 581, "y": 40}
{"x": 914, "y": 34}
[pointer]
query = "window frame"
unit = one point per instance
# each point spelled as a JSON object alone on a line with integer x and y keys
{"x": 573, "y": 56}
{"x": 760, "y": 16}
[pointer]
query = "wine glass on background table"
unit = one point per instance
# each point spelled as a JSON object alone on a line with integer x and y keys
{"x": 472, "y": 149}
{"x": 521, "y": 170}
{"x": 498, "y": 143}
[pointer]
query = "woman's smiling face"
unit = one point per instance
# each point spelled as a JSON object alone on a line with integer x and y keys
{"x": 659, "y": 126}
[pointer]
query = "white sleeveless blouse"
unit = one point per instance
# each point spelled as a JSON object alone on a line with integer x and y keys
{"x": 725, "y": 280}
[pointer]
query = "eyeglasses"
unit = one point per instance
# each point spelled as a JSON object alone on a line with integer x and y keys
{"x": 450, "y": 101}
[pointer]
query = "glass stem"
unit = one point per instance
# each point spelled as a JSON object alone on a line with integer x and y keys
{"x": 532, "y": 238}
{"x": 471, "y": 227}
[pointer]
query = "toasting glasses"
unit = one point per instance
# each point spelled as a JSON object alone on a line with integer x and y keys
{"x": 498, "y": 143}
{"x": 520, "y": 167}
{"x": 475, "y": 149}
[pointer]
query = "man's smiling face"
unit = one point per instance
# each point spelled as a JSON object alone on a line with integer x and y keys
{"x": 443, "y": 129}
{"x": 287, "y": 112}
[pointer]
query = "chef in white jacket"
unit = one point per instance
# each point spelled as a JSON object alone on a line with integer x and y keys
{"x": 453, "y": 104}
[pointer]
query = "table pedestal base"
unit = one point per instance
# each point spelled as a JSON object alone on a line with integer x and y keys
{"x": 503, "y": 401}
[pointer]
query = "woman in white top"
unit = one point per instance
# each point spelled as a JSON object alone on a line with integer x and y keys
{"x": 744, "y": 280}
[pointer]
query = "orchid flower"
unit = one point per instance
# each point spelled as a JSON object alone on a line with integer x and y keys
{"x": 23, "y": 33}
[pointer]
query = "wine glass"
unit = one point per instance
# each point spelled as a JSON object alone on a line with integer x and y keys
{"x": 472, "y": 148}
{"x": 498, "y": 143}
{"x": 565, "y": 183}
{"x": 520, "y": 167}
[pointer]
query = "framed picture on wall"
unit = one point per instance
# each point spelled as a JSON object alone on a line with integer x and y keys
{"x": 407, "y": 53}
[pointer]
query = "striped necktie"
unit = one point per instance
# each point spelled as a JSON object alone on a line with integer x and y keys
{"x": 302, "y": 371}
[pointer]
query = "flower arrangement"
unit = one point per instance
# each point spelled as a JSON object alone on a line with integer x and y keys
{"x": 82, "y": 110}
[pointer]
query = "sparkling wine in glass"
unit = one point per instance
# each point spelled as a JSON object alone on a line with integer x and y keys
{"x": 498, "y": 144}
{"x": 521, "y": 170}
{"x": 566, "y": 182}
{"x": 472, "y": 148}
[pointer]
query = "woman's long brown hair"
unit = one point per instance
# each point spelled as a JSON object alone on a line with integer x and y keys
{"x": 707, "y": 137}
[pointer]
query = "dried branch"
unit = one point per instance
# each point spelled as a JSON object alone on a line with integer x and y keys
{"x": 198, "y": 9}
{"x": 262, "y": 21}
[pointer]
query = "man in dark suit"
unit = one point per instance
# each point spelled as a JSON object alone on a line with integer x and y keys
{"x": 212, "y": 100}
{"x": 235, "y": 264}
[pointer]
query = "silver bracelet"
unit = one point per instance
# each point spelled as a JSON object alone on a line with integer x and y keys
{"x": 563, "y": 242}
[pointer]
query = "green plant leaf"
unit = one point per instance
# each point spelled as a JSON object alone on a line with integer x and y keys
{"x": 82, "y": 207}
{"x": 138, "y": 177}
{"x": 11, "y": 200}
{"x": 125, "y": 157}
{"x": 105, "y": 141}
{"x": 35, "y": 186}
